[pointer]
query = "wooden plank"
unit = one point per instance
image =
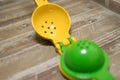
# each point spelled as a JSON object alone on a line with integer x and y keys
{"x": 16, "y": 13}
{"x": 95, "y": 30}
{"x": 114, "y": 5}
{"x": 102, "y": 2}
{"x": 20, "y": 46}
{"x": 25, "y": 59}
{"x": 113, "y": 48}
{"x": 115, "y": 65}
{"x": 54, "y": 74}
{"x": 10, "y": 3}
{"x": 14, "y": 29}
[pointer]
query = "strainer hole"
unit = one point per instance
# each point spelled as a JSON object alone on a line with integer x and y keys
{"x": 87, "y": 47}
{"x": 81, "y": 47}
{"x": 42, "y": 26}
{"x": 78, "y": 44}
{"x": 48, "y": 27}
{"x": 89, "y": 43}
{"x": 51, "y": 32}
{"x": 46, "y": 22}
{"x": 45, "y": 31}
{"x": 54, "y": 27}
{"x": 51, "y": 22}
{"x": 83, "y": 43}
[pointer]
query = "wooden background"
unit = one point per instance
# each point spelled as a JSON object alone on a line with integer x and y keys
{"x": 114, "y": 5}
{"x": 26, "y": 56}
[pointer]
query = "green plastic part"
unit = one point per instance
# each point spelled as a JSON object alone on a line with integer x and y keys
{"x": 84, "y": 59}
{"x": 84, "y": 56}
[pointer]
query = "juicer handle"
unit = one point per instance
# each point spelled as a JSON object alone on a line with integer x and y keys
{"x": 41, "y": 2}
{"x": 106, "y": 75}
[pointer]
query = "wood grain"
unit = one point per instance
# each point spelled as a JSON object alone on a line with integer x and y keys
{"x": 114, "y": 5}
{"x": 23, "y": 51}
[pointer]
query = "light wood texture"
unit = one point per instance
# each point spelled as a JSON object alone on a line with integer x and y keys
{"x": 114, "y": 5}
{"x": 24, "y": 55}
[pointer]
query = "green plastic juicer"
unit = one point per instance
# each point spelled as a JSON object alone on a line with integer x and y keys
{"x": 84, "y": 60}
{"x": 80, "y": 60}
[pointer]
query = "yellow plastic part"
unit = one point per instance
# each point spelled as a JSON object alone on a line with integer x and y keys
{"x": 67, "y": 76}
{"x": 65, "y": 43}
{"x": 52, "y": 22}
